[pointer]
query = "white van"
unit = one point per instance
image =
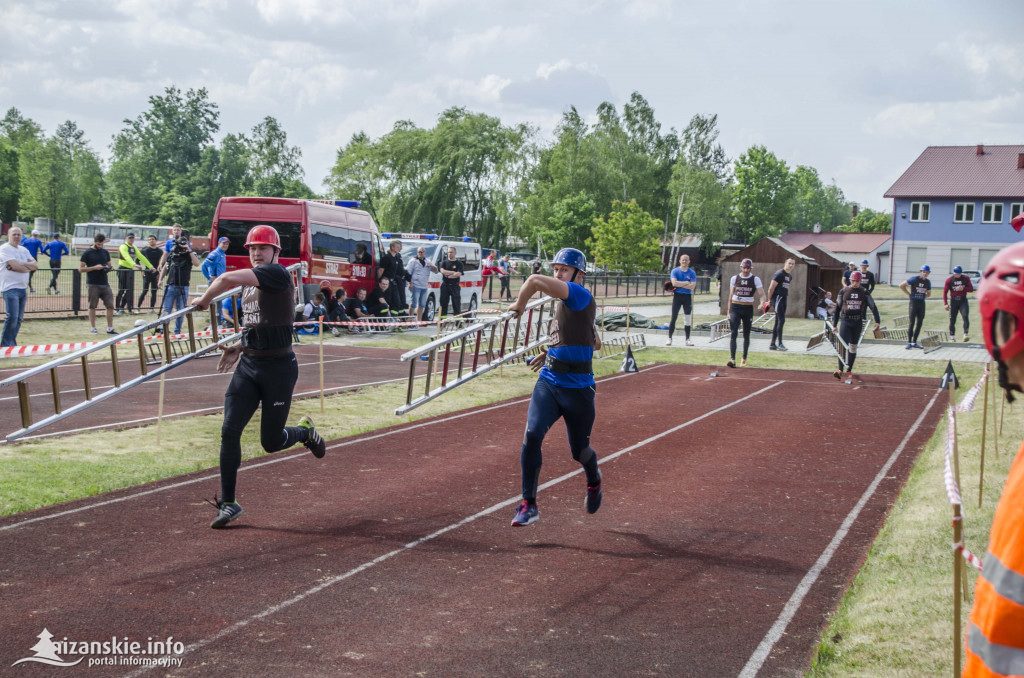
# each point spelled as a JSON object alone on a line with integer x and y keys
{"x": 466, "y": 250}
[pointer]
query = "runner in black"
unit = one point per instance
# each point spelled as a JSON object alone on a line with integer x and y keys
{"x": 957, "y": 286}
{"x": 850, "y": 310}
{"x": 267, "y": 370}
{"x": 778, "y": 295}
{"x": 918, "y": 289}
{"x": 867, "y": 279}
{"x": 742, "y": 288}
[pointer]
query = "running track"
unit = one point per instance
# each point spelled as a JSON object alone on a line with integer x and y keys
{"x": 735, "y": 515}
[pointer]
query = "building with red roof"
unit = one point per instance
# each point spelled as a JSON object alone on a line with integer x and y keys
{"x": 953, "y": 206}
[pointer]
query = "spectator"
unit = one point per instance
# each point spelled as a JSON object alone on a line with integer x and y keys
{"x": 850, "y": 268}
{"x": 55, "y": 249}
{"x": 377, "y": 301}
{"x": 131, "y": 260}
{"x": 33, "y": 245}
{"x": 954, "y": 298}
{"x": 16, "y": 266}
{"x": 419, "y": 281}
{"x": 392, "y": 268}
{"x": 95, "y": 263}
{"x": 504, "y": 277}
{"x": 216, "y": 262}
{"x": 178, "y": 263}
{"x": 356, "y": 307}
{"x": 151, "y": 276}
{"x": 312, "y": 312}
{"x": 867, "y": 280}
{"x": 826, "y": 306}
{"x": 451, "y": 272}
{"x": 361, "y": 256}
{"x": 536, "y": 267}
{"x": 336, "y": 310}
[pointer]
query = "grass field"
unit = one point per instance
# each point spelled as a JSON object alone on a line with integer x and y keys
{"x": 895, "y": 620}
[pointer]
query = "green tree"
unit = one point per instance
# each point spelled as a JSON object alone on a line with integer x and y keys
{"x": 869, "y": 221}
{"x": 626, "y": 239}
{"x": 157, "y": 149}
{"x": 704, "y": 205}
{"x": 357, "y": 174}
{"x": 274, "y": 168}
{"x": 763, "y": 197}
{"x": 192, "y": 199}
{"x": 61, "y": 177}
{"x": 700, "y": 147}
{"x": 812, "y": 205}
{"x": 10, "y": 183}
{"x": 570, "y": 222}
{"x": 19, "y": 130}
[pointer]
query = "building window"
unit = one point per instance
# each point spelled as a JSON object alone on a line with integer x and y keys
{"x": 959, "y": 256}
{"x": 992, "y": 213}
{"x": 963, "y": 213}
{"x": 919, "y": 211}
{"x": 916, "y": 258}
{"x": 985, "y": 256}
{"x": 1016, "y": 208}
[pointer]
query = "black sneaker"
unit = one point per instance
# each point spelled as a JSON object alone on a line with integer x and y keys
{"x": 314, "y": 442}
{"x": 226, "y": 512}
{"x": 837, "y": 374}
{"x": 526, "y": 514}
{"x": 782, "y": 348}
{"x": 594, "y": 496}
{"x": 731, "y": 363}
{"x": 773, "y": 347}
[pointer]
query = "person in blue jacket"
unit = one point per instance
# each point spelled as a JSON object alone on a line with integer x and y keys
{"x": 216, "y": 264}
{"x": 55, "y": 249}
{"x": 33, "y": 245}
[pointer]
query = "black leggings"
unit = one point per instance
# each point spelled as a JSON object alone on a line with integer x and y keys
{"x": 266, "y": 381}
{"x": 959, "y": 305}
{"x": 740, "y": 314}
{"x": 547, "y": 404}
{"x": 779, "y": 304}
{"x": 916, "y": 320}
{"x": 125, "y": 289}
{"x": 850, "y": 331}
{"x": 149, "y": 281}
{"x": 686, "y": 302}
{"x": 454, "y": 294}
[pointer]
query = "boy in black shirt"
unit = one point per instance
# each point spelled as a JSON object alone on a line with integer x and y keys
{"x": 95, "y": 264}
{"x": 451, "y": 272}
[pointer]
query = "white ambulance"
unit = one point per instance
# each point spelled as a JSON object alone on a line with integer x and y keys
{"x": 467, "y": 251}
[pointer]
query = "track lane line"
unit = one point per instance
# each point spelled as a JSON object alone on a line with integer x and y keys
{"x": 775, "y": 633}
{"x": 237, "y": 626}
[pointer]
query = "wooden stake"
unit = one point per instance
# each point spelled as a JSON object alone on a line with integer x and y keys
{"x": 984, "y": 425}
{"x": 957, "y": 565}
{"x": 320, "y": 320}
{"x": 627, "y": 321}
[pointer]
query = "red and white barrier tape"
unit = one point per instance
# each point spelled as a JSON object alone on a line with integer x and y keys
{"x": 952, "y": 491}
{"x": 967, "y": 404}
{"x": 972, "y": 560}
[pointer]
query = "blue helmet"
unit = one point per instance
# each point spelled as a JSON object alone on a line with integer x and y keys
{"x": 865, "y": 263}
{"x": 927, "y": 268}
{"x": 571, "y": 257}
{"x": 958, "y": 270}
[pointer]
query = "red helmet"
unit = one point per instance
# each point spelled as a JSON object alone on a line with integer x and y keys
{"x": 856, "y": 276}
{"x": 1002, "y": 289}
{"x": 263, "y": 235}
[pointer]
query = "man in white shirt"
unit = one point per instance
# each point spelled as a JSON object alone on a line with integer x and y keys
{"x": 16, "y": 265}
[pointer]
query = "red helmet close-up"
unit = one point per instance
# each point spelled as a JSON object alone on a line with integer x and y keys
{"x": 263, "y": 235}
{"x": 1002, "y": 289}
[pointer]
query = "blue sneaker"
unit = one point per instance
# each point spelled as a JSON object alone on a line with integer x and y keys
{"x": 910, "y": 346}
{"x": 526, "y": 514}
{"x": 917, "y": 345}
{"x": 227, "y": 511}
{"x": 594, "y": 496}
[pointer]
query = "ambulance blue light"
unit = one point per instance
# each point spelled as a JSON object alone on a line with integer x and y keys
{"x": 348, "y": 203}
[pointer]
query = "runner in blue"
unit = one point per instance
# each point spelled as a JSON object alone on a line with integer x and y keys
{"x": 566, "y": 387}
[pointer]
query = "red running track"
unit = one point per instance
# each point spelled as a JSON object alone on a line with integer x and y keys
{"x": 729, "y": 530}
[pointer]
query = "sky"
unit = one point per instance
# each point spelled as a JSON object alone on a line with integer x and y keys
{"x": 855, "y": 89}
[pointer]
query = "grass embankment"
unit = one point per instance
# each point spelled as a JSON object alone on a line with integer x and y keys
{"x": 895, "y": 620}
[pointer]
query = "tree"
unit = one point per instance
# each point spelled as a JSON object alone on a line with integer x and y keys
{"x": 61, "y": 177}
{"x": 274, "y": 168}
{"x": 158, "y": 148}
{"x": 626, "y": 239}
{"x": 763, "y": 198}
{"x": 701, "y": 150}
{"x": 18, "y": 129}
{"x": 704, "y": 205}
{"x": 570, "y": 222}
{"x": 10, "y": 183}
{"x": 869, "y": 221}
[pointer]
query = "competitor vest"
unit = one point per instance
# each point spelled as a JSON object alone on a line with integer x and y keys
{"x": 958, "y": 286}
{"x": 855, "y": 303}
{"x": 995, "y": 630}
{"x": 744, "y": 290}
{"x": 268, "y": 318}
{"x": 573, "y": 328}
{"x": 783, "y": 282}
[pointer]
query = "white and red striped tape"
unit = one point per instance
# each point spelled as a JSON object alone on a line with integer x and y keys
{"x": 967, "y": 404}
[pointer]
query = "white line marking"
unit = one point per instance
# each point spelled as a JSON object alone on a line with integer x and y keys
{"x": 226, "y": 631}
{"x": 760, "y": 655}
{"x": 287, "y": 457}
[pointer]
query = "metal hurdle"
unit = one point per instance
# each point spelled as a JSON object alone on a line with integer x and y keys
{"x": 498, "y": 340}
{"x": 169, "y": 357}
{"x": 830, "y": 336}
{"x": 719, "y": 329}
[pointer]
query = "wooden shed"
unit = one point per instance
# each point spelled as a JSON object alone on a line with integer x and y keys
{"x": 830, "y": 272}
{"x": 768, "y": 255}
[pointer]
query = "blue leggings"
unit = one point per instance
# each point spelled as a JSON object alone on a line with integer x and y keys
{"x": 547, "y": 404}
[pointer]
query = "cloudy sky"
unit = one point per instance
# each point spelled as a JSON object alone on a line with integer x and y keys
{"x": 856, "y": 89}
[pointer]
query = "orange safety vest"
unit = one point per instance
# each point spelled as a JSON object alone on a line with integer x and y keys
{"x": 995, "y": 630}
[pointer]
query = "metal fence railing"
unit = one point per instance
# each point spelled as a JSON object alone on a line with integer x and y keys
{"x": 604, "y": 285}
